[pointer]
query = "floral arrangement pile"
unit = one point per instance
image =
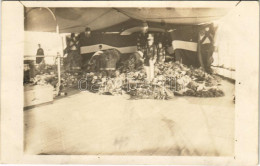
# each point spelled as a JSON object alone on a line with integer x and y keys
{"x": 170, "y": 78}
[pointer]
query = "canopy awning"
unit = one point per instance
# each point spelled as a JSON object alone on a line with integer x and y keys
{"x": 76, "y": 19}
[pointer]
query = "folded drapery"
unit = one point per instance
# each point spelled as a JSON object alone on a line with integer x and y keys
{"x": 104, "y": 60}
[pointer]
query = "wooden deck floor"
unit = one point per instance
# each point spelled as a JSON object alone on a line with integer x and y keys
{"x": 87, "y": 123}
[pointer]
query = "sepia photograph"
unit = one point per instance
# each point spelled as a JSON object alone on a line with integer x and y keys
{"x": 122, "y": 80}
{"x": 129, "y": 81}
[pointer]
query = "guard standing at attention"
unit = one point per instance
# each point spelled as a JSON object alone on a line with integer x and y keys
{"x": 150, "y": 57}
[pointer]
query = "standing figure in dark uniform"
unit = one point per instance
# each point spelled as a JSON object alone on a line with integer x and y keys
{"x": 30, "y": 74}
{"x": 73, "y": 59}
{"x": 85, "y": 39}
{"x": 40, "y": 52}
{"x": 150, "y": 57}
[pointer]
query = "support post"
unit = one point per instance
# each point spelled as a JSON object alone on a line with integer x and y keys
{"x": 58, "y": 60}
{"x": 199, "y": 52}
{"x": 59, "y": 73}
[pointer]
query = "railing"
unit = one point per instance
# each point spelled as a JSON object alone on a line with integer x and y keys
{"x": 57, "y": 57}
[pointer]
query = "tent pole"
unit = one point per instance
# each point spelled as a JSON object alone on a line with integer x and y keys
{"x": 58, "y": 54}
{"x": 62, "y": 45}
{"x": 199, "y": 52}
{"x": 58, "y": 65}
